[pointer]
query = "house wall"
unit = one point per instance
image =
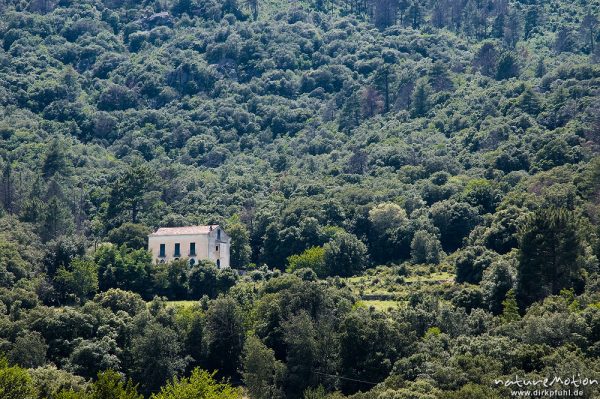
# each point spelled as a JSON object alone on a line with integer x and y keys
{"x": 206, "y": 247}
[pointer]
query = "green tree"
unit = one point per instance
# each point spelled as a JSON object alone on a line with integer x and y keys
{"x": 529, "y": 102}
{"x": 510, "y": 308}
{"x": 58, "y": 220}
{"x": 53, "y": 383}
{"x": 370, "y": 344}
{"x": 420, "y": 98}
{"x": 127, "y": 195}
{"x": 116, "y": 299}
{"x": 55, "y": 159}
{"x": 350, "y": 115}
{"x": 472, "y": 262}
{"x": 199, "y": 385}
{"x": 261, "y": 372}
{"x": 497, "y": 281}
{"x": 29, "y": 350}
{"x": 240, "y": 251}
{"x": 81, "y": 280}
{"x": 132, "y": 235}
{"x": 300, "y": 337}
{"x": 12, "y": 265}
{"x": 157, "y": 356}
{"x": 15, "y": 382}
{"x": 111, "y": 385}
{"x": 345, "y": 255}
{"x": 507, "y": 66}
{"x": 425, "y": 248}
{"x": 7, "y": 189}
{"x": 548, "y": 258}
{"x": 312, "y": 258}
{"x": 455, "y": 220}
{"x": 224, "y": 337}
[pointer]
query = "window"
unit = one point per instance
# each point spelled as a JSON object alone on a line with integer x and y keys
{"x": 192, "y": 248}
{"x": 218, "y": 234}
{"x": 217, "y": 248}
{"x": 177, "y": 249}
{"x": 161, "y": 252}
{"x": 219, "y": 263}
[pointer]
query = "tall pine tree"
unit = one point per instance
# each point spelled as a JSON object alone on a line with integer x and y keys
{"x": 549, "y": 250}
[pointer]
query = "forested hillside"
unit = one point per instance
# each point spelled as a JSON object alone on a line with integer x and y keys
{"x": 412, "y": 189}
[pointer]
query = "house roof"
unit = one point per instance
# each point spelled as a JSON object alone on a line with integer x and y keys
{"x": 186, "y": 230}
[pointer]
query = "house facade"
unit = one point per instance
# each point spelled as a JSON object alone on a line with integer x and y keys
{"x": 192, "y": 242}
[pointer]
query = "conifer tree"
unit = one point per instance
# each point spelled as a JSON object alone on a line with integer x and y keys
{"x": 548, "y": 258}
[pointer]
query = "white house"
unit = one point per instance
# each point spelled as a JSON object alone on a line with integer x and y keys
{"x": 192, "y": 242}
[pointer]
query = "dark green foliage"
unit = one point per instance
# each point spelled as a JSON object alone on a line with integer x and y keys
{"x": 79, "y": 281}
{"x": 12, "y": 266}
{"x": 455, "y": 221}
{"x": 369, "y": 346}
{"x": 132, "y": 235}
{"x": 127, "y": 195}
{"x": 261, "y": 372}
{"x": 224, "y": 338}
{"x": 55, "y": 159}
{"x": 471, "y": 263}
{"x": 29, "y": 350}
{"x": 420, "y": 98}
{"x": 497, "y": 281}
{"x": 507, "y": 66}
{"x": 157, "y": 356}
{"x": 240, "y": 243}
{"x": 344, "y": 255}
{"x": 549, "y": 252}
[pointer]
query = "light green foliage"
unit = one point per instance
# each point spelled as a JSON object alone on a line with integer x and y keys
{"x": 387, "y": 217}
{"x": 425, "y": 248}
{"x": 51, "y": 381}
{"x": 312, "y": 258}
{"x": 199, "y": 385}
{"x": 111, "y": 384}
{"x": 510, "y": 309}
{"x": 15, "y": 382}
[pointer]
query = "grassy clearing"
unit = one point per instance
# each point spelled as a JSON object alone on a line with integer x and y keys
{"x": 390, "y": 287}
{"x": 382, "y": 306}
{"x": 182, "y": 304}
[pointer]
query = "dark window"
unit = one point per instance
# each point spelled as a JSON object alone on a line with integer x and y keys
{"x": 219, "y": 234}
{"x": 217, "y": 248}
{"x": 177, "y": 249}
{"x": 218, "y": 262}
{"x": 192, "y": 248}
{"x": 161, "y": 253}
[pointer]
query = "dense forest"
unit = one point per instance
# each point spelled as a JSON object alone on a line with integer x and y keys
{"x": 412, "y": 189}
